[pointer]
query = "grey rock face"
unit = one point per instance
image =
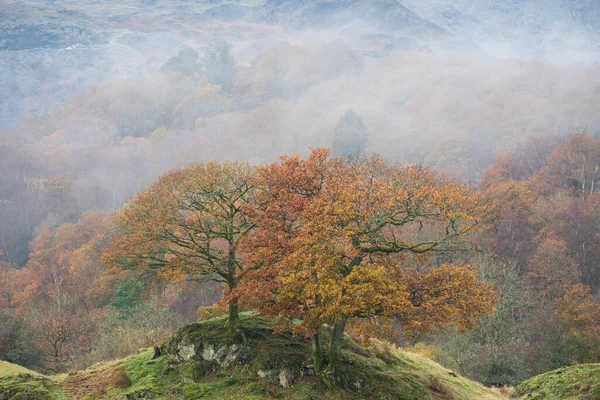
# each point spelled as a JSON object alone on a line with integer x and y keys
{"x": 196, "y": 351}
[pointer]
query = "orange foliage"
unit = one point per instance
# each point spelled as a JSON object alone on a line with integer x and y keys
{"x": 67, "y": 260}
{"x": 573, "y": 167}
{"x": 187, "y": 226}
{"x": 342, "y": 231}
{"x": 551, "y": 270}
{"x": 579, "y": 312}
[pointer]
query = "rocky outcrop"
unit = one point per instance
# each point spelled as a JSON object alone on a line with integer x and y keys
{"x": 196, "y": 350}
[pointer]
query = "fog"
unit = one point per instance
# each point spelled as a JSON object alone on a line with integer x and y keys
{"x": 89, "y": 116}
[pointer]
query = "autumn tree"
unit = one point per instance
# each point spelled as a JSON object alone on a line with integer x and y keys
{"x": 283, "y": 191}
{"x": 187, "y": 226}
{"x": 578, "y": 224}
{"x": 494, "y": 352}
{"x": 66, "y": 260}
{"x": 56, "y": 324}
{"x": 351, "y": 230}
{"x": 513, "y": 234}
{"x": 61, "y": 290}
{"x": 579, "y": 312}
{"x": 551, "y": 270}
{"x": 573, "y": 167}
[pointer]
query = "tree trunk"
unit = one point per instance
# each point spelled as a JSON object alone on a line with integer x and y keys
{"x": 318, "y": 359}
{"x": 157, "y": 352}
{"x": 335, "y": 347}
{"x": 233, "y": 317}
{"x": 234, "y": 324}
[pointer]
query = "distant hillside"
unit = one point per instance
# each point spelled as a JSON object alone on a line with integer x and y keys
{"x": 580, "y": 382}
{"x": 50, "y": 49}
{"x": 201, "y": 362}
{"x": 557, "y": 31}
{"x": 482, "y": 23}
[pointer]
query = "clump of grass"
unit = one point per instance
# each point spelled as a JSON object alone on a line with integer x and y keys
{"x": 438, "y": 387}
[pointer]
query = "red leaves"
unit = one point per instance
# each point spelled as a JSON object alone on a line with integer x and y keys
{"x": 331, "y": 238}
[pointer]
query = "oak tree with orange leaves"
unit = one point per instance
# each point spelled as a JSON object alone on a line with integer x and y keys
{"x": 187, "y": 226}
{"x": 335, "y": 241}
{"x": 579, "y": 312}
{"x": 283, "y": 191}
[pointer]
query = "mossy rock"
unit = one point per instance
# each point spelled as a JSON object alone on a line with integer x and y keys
{"x": 140, "y": 395}
{"x": 193, "y": 371}
{"x": 207, "y": 341}
{"x": 292, "y": 353}
{"x": 27, "y": 387}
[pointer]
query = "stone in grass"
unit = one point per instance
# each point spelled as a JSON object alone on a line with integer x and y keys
{"x": 286, "y": 377}
{"x": 140, "y": 395}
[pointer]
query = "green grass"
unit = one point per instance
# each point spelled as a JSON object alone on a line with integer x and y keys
{"x": 30, "y": 387}
{"x": 581, "y": 382}
{"x": 7, "y": 369}
{"x": 380, "y": 372}
{"x": 19, "y": 383}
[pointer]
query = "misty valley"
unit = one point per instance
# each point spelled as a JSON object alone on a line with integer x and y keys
{"x": 278, "y": 199}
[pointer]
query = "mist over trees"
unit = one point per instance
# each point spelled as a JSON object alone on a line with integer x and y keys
{"x": 185, "y": 62}
{"x": 189, "y": 181}
{"x": 220, "y": 65}
{"x": 350, "y": 136}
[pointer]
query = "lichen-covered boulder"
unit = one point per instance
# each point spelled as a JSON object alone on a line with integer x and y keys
{"x": 203, "y": 347}
{"x": 286, "y": 377}
{"x": 193, "y": 342}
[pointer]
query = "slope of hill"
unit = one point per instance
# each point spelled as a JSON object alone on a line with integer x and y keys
{"x": 200, "y": 361}
{"x": 581, "y": 382}
{"x": 7, "y": 369}
{"x": 556, "y": 31}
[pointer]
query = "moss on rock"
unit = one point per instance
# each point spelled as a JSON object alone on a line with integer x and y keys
{"x": 193, "y": 371}
{"x": 27, "y": 387}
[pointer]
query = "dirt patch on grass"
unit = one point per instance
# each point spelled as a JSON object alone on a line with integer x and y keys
{"x": 80, "y": 385}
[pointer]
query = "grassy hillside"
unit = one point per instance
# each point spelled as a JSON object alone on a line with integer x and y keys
{"x": 7, "y": 369}
{"x": 581, "y": 382}
{"x": 201, "y": 362}
{"x": 18, "y": 383}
